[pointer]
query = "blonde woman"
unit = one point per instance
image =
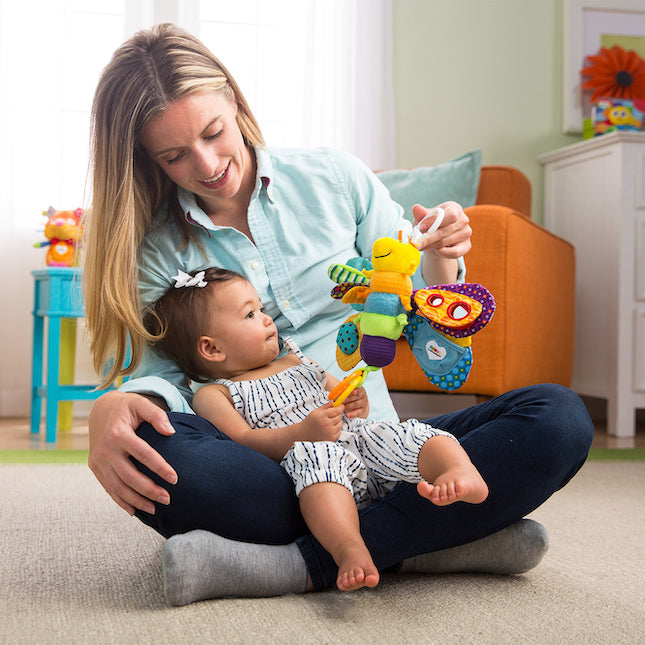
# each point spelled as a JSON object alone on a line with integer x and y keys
{"x": 182, "y": 179}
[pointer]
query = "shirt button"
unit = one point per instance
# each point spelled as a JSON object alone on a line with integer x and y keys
{"x": 286, "y": 303}
{"x": 255, "y": 265}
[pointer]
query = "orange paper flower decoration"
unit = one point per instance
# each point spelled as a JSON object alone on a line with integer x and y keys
{"x": 615, "y": 73}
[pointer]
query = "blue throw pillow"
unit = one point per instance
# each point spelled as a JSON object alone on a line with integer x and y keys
{"x": 456, "y": 180}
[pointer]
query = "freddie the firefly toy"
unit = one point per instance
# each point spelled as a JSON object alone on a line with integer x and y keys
{"x": 437, "y": 321}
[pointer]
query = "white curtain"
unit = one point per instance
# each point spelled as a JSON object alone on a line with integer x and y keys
{"x": 349, "y": 100}
{"x": 316, "y": 72}
{"x": 50, "y": 56}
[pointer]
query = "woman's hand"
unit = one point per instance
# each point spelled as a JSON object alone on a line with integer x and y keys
{"x": 357, "y": 404}
{"x": 112, "y": 424}
{"x": 449, "y": 242}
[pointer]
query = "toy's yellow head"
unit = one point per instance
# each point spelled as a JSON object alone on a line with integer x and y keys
{"x": 389, "y": 254}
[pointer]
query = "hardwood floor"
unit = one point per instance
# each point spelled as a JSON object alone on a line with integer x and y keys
{"x": 15, "y": 435}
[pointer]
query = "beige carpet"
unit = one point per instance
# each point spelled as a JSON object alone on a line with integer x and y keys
{"x": 74, "y": 568}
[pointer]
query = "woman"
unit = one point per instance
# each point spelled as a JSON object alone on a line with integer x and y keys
{"x": 182, "y": 180}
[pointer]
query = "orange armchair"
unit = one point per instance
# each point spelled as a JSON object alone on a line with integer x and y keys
{"x": 531, "y": 274}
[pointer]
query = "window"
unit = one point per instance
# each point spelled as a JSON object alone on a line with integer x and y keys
{"x": 48, "y": 71}
{"x": 315, "y": 72}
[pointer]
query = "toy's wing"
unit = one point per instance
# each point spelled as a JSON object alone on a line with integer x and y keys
{"x": 458, "y": 310}
{"x": 348, "y": 341}
{"x": 357, "y": 295}
{"x": 446, "y": 362}
{"x": 341, "y": 289}
{"x": 341, "y": 273}
{"x": 350, "y": 294}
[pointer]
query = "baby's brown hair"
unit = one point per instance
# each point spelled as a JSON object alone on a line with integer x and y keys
{"x": 181, "y": 316}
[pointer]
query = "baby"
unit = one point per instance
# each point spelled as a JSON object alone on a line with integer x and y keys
{"x": 212, "y": 324}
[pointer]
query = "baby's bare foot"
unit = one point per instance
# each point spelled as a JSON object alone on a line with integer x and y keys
{"x": 356, "y": 569}
{"x": 463, "y": 484}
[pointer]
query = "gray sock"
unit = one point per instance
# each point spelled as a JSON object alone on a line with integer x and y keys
{"x": 200, "y": 565}
{"x": 515, "y": 549}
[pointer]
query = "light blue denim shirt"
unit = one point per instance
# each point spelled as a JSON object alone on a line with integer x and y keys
{"x": 309, "y": 209}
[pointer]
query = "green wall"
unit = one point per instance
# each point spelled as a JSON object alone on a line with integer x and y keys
{"x": 479, "y": 74}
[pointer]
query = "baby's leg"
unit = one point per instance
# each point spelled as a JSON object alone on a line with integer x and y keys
{"x": 449, "y": 474}
{"x": 330, "y": 513}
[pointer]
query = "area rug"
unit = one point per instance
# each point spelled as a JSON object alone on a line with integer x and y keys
{"x": 76, "y": 569}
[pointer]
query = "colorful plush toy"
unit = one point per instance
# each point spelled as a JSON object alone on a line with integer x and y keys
{"x": 438, "y": 321}
{"x": 63, "y": 233}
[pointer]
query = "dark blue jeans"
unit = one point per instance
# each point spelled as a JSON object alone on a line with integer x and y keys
{"x": 527, "y": 444}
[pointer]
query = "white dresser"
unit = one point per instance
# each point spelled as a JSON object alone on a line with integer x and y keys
{"x": 595, "y": 198}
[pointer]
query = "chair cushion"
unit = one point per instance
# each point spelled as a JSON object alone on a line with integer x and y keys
{"x": 456, "y": 180}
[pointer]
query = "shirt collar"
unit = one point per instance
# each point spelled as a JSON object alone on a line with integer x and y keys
{"x": 265, "y": 172}
{"x": 263, "y": 182}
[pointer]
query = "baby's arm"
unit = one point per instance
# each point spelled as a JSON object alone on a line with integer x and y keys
{"x": 213, "y": 402}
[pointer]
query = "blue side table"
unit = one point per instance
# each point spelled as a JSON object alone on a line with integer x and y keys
{"x": 58, "y": 297}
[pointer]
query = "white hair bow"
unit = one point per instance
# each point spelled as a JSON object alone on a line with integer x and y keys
{"x": 186, "y": 280}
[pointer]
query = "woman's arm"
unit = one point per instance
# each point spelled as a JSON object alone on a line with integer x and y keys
{"x": 449, "y": 242}
{"x": 213, "y": 402}
{"x": 113, "y": 440}
{"x": 377, "y": 216}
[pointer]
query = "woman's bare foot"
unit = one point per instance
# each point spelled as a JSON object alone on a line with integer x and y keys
{"x": 356, "y": 568}
{"x": 460, "y": 484}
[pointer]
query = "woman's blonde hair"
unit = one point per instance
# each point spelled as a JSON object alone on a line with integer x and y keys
{"x": 147, "y": 73}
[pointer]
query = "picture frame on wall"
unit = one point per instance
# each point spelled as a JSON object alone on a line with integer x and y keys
{"x": 588, "y": 25}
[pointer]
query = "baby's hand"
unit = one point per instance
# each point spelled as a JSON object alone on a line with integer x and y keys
{"x": 357, "y": 404}
{"x": 323, "y": 424}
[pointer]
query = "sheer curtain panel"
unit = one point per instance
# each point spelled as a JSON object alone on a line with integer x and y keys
{"x": 316, "y": 72}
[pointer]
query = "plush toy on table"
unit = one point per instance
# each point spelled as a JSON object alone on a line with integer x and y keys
{"x": 63, "y": 233}
{"x": 437, "y": 321}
